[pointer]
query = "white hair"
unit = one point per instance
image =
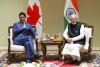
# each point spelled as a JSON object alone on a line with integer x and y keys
{"x": 74, "y": 15}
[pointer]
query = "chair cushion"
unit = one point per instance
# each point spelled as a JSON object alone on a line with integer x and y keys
{"x": 88, "y": 34}
{"x": 83, "y": 50}
{"x": 17, "y": 48}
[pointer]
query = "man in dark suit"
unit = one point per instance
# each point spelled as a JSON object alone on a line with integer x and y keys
{"x": 21, "y": 31}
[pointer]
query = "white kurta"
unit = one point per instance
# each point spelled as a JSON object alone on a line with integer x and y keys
{"x": 71, "y": 48}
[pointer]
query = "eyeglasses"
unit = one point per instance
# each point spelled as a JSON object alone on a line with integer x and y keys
{"x": 72, "y": 19}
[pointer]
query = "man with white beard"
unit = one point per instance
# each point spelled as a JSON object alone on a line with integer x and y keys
{"x": 74, "y": 35}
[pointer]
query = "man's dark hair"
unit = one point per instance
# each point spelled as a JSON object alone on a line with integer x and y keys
{"x": 22, "y": 13}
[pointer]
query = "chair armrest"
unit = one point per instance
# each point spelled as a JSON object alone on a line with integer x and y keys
{"x": 9, "y": 37}
{"x": 37, "y": 45}
{"x": 90, "y": 43}
{"x": 8, "y": 44}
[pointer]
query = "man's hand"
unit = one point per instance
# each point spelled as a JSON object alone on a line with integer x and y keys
{"x": 36, "y": 37}
{"x": 24, "y": 28}
{"x": 69, "y": 40}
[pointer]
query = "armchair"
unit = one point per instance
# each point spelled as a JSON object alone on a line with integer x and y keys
{"x": 87, "y": 49}
{"x": 15, "y": 50}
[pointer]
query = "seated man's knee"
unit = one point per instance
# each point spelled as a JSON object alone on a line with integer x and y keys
{"x": 26, "y": 44}
{"x": 29, "y": 37}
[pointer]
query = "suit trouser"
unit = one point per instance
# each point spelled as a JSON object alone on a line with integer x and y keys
{"x": 28, "y": 44}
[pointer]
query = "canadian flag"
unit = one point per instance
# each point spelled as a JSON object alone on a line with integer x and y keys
{"x": 34, "y": 15}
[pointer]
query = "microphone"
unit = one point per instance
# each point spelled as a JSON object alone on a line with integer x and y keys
{"x": 24, "y": 25}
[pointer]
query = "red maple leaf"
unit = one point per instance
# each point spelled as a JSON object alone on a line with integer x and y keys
{"x": 33, "y": 14}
